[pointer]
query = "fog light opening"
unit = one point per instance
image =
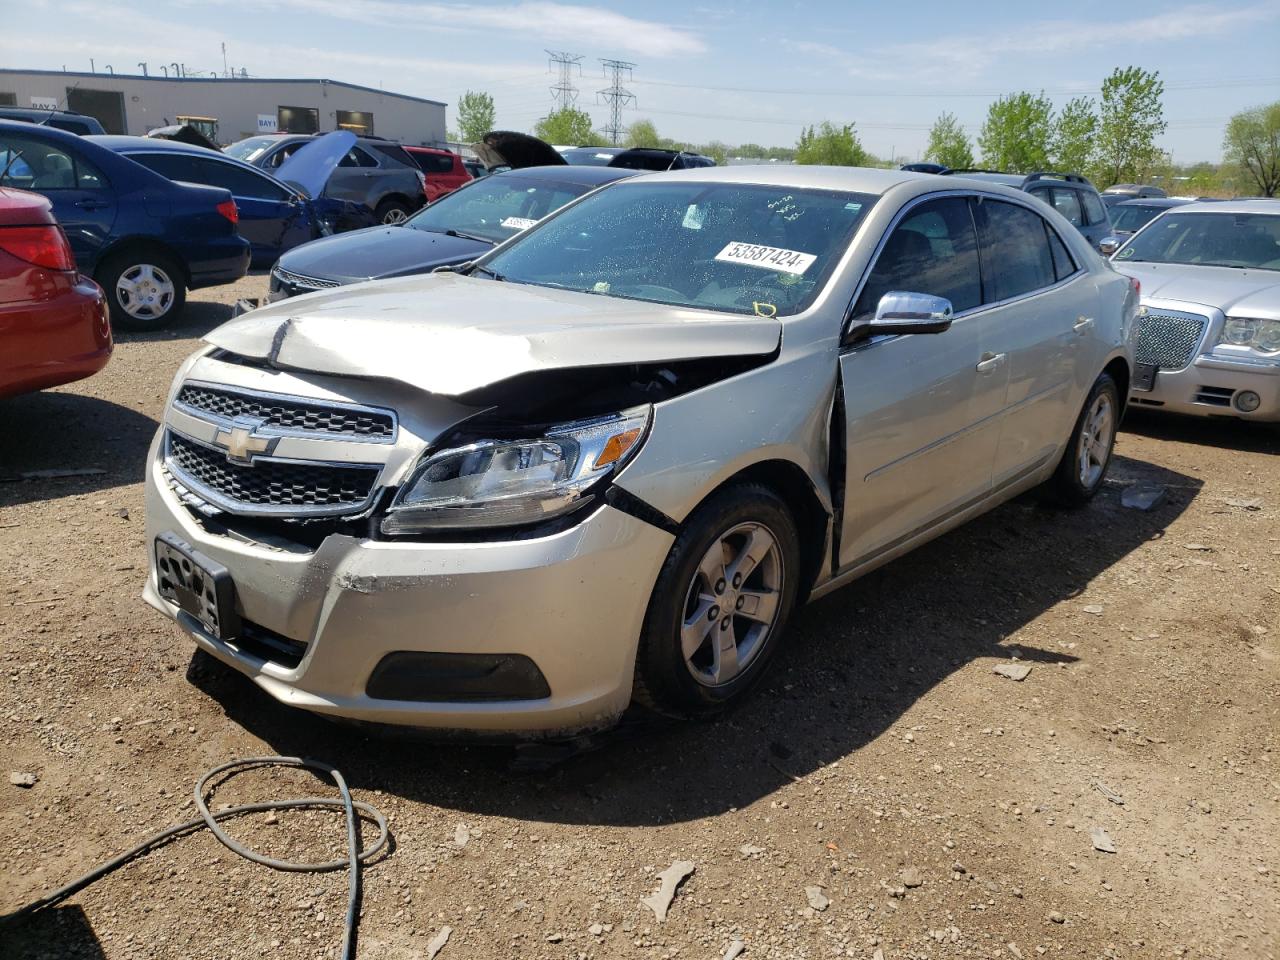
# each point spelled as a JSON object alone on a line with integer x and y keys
{"x": 1247, "y": 401}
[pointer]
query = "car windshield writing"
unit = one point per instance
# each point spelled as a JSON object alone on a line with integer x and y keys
{"x": 733, "y": 247}
{"x": 495, "y": 208}
{"x": 1209, "y": 239}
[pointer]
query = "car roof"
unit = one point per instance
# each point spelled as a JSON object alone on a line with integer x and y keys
{"x": 989, "y": 176}
{"x": 569, "y": 173}
{"x": 123, "y": 144}
{"x": 21, "y": 126}
{"x": 854, "y": 179}
{"x": 1246, "y": 205}
{"x": 1153, "y": 202}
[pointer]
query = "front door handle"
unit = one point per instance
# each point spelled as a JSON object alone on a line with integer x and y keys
{"x": 990, "y": 361}
{"x": 89, "y": 204}
{"x": 1082, "y": 325}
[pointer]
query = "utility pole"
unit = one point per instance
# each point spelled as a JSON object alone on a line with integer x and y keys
{"x": 224, "y": 58}
{"x": 563, "y": 93}
{"x": 617, "y": 96}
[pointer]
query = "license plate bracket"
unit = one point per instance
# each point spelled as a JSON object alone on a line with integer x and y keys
{"x": 199, "y": 585}
{"x": 1144, "y": 377}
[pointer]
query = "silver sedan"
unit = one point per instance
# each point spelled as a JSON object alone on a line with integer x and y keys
{"x": 606, "y": 463}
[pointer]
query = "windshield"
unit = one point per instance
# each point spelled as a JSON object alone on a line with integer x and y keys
{"x": 496, "y": 207}
{"x": 1130, "y": 218}
{"x": 1210, "y": 240}
{"x": 249, "y": 150}
{"x": 738, "y": 248}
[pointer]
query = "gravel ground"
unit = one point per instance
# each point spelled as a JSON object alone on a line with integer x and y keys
{"x": 937, "y": 809}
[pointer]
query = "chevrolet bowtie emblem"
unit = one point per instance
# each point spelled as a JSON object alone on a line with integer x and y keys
{"x": 241, "y": 443}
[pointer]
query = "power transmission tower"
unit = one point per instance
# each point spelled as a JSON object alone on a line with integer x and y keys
{"x": 563, "y": 93}
{"x": 617, "y": 96}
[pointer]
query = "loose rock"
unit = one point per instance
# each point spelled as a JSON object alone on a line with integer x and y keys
{"x": 1014, "y": 671}
{"x": 817, "y": 899}
{"x": 438, "y": 941}
{"x": 671, "y": 878}
{"x": 23, "y": 779}
{"x": 1143, "y": 495}
{"x": 911, "y": 878}
{"x": 734, "y": 950}
{"x": 1101, "y": 841}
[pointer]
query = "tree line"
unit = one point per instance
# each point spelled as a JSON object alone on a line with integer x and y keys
{"x": 1110, "y": 140}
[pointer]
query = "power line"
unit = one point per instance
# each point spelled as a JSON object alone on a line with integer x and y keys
{"x": 563, "y": 93}
{"x": 617, "y": 96}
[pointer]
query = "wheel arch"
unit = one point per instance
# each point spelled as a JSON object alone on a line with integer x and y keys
{"x": 796, "y": 489}
{"x": 151, "y": 244}
{"x": 1118, "y": 369}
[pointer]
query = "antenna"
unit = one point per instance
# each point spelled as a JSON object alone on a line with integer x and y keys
{"x": 563, "y": 93}
{"x": 617, "y": 96}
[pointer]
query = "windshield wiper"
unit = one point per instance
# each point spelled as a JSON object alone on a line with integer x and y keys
{"x": 478, "y": 268}
{"x": 467, "y": 236}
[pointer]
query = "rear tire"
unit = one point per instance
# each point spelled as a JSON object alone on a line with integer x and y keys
{"x": 146, "y": 290}
{"x": 721, "y": 604}
{"x": 392, "y": 212}
{"x": 1085, "y": 462}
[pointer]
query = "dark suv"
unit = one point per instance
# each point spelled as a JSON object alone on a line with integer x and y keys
{"x": 378, "y": 173}
{"x": 635, "y": 158}
{"x": 67, "y": 120}
{"x": 1070, "y": 194}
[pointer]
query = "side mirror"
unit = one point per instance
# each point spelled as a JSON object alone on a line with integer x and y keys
{"x": 902, "y": 312}
{"x": 1108, "y": 245}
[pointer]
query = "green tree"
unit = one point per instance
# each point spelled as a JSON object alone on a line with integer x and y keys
{"x": 948, "y": 144}
{"x": 1132, "y": 117}
{"x": 1252, "y": 143}
{"x": 1074, "y": 132}
{"x": 567, "y": 125}
{"x": 829, "y": 144}
{"x": 642, "y": 133}
{"x": 1015, "y": 135}
{"x": 475, "y": 116}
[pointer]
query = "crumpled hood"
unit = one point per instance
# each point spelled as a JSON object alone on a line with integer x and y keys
{"x": 449, "y": 334}
{"x": 1237, "y": 293}
{"x": 379, "y": 252}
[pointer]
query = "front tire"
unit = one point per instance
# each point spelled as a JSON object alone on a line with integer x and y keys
{"x": 1087, "y": 458}
{"x": 145, "y": 290}
{"x": 721, "y": 604}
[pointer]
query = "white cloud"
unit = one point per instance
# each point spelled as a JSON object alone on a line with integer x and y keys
{"x": 583, "y": 26}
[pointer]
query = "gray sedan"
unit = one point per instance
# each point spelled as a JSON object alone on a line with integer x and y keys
{"x": 1209, "y": 342}
{"x": 608, "y": 461}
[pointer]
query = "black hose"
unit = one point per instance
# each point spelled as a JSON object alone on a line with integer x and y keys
{"x": 355, "y": 856}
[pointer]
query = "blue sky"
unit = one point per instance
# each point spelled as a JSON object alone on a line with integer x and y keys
{"x": 755, "y": 71}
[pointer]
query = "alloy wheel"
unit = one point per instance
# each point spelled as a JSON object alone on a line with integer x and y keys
{"x": 394, "y": 215}
{"x": 732, "y": 604}
{"x": 1097, "y": 435}
{"x": 145, "y": 291}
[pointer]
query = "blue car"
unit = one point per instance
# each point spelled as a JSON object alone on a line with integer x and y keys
{"x": 275, "y": 215}
{"x": 145, "y": 239}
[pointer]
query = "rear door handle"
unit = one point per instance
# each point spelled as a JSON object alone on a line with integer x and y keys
{"x": 90, "y": 204}
{"x": 990, "y": 361}
{"x": 1082, "y": 325}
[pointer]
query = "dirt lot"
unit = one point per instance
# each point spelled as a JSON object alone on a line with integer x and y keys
{"x": 943, "y": 810}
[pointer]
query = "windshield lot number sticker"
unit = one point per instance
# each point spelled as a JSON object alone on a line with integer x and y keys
{"x": 769, "y": 258}
{"x": 518, "y": 223}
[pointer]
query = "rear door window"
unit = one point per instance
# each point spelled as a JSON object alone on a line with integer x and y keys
{"x": 1094, "y": 211}
{"x": 357, "y": 158}
{"x": 213, "y": 173}
{"x": 1067, "y": 203}
{"x": 933, "y": 250}
{"x": 35, "y": 165}
{"x": 1016, "y": 251}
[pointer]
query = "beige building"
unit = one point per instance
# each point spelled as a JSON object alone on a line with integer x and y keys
{"x": 233, "y": 107}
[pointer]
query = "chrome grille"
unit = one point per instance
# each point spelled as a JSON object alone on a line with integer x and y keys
{"x": 290, "y": 413}
{"x": 307, "y": 283}
{"x": 269, "y": 486}
{"x": 1168, "y": 340}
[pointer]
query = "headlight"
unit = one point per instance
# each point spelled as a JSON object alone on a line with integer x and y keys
{"x": 507, "y": 483}
{"x": 1262, "y": 335}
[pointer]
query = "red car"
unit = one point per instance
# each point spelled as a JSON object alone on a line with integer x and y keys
{"x": 53, "y": 321}
{"x": 444, "y": 170}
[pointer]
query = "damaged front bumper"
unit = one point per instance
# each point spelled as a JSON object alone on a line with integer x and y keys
{"x": 341, "y": 629}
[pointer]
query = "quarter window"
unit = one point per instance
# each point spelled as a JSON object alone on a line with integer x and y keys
{"x": 1063, "y": 263}
{"x": 933, "y": 250}
{"x": 1019, "y": 259}
{"x": 357, "y": 158}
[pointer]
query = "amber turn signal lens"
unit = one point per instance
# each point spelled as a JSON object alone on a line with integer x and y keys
{"x": 616, "y": 446}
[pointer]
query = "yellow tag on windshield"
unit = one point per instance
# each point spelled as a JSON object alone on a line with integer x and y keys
{"x": 766, "y": 310}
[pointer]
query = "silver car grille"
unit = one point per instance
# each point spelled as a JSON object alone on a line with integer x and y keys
{"x": 289, "y": 413}
{"x": 267, "y": 486}
{"x": 1169, "y": 339}
{"x": 307, "y": 283}
{"x": 207, "y": 419}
